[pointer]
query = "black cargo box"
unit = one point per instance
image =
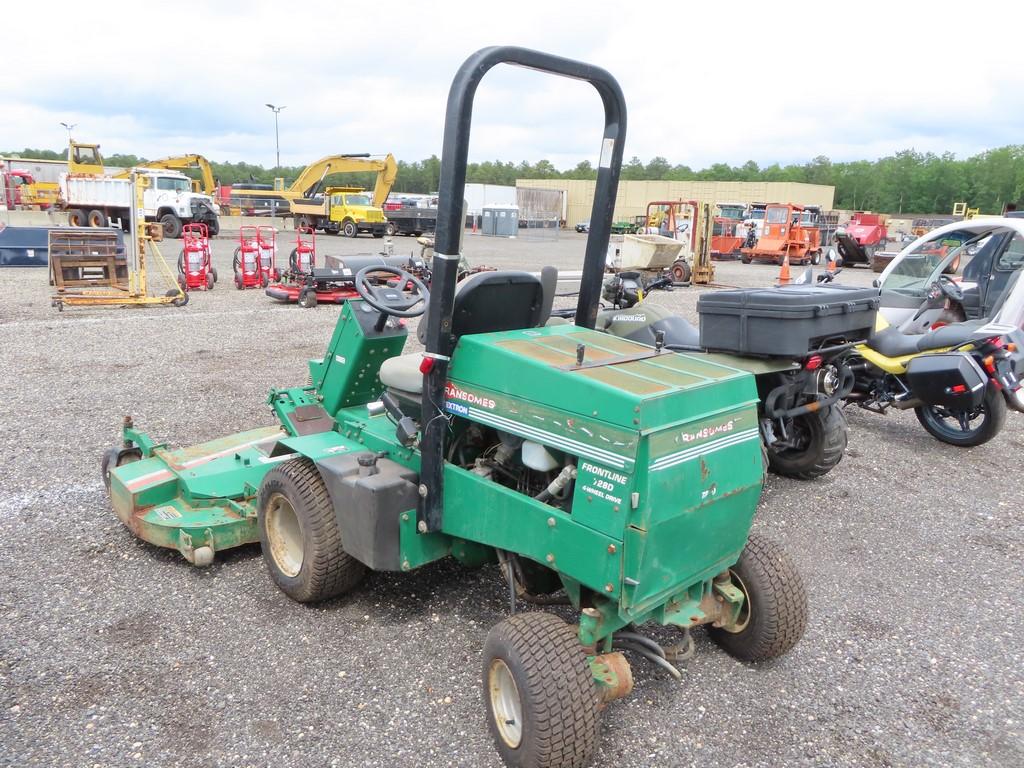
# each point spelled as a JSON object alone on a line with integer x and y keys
{"x": 789, "y": 321}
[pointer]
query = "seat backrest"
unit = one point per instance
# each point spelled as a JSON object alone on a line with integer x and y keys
{"x": 497, "y": 301}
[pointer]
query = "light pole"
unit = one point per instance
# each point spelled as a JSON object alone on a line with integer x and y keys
{"x": 69, "y": 126}
{"x": 277, "y": 135}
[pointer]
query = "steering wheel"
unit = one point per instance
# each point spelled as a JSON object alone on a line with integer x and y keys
{"x": 392, "y": 301}
{"x": 951, "y": 288}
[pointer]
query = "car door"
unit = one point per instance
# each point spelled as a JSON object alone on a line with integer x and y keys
{"x": 1010, "y": 260}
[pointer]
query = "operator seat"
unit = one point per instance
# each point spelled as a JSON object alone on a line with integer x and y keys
{"x": 484, "y": 303}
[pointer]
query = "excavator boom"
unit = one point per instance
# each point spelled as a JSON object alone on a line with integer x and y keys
{"x": 309, "y": 181}
{"x": 179, "y": 162}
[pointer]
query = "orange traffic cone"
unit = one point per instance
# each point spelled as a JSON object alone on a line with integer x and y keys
{"x": 784, "y": 278}
{"x": 831, "y": 265}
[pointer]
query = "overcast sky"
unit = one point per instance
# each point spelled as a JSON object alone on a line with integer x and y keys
{"x": 716, "y": 82}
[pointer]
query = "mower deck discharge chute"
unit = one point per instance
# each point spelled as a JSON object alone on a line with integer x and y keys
{"x": 623, "y": 475}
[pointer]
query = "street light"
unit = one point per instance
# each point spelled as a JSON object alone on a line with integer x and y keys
{"x": 277, "y": 135}
{"x": 69, "y": 126}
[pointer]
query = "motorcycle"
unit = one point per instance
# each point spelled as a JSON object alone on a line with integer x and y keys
{"x": 802, "y": 425}
{"x": 958, "y": 378}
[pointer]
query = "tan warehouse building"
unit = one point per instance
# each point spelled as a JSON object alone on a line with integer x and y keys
{"x": 633, "y": 196}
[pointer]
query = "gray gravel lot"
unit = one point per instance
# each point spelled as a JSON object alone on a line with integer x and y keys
{"x": 115, "y": 653}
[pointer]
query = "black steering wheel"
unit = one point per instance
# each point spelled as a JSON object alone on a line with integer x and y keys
{"x": 392, "y": 300}
{"x": 951, "y": 288}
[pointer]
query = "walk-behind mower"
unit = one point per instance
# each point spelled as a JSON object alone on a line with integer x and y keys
{"x": 255, "y": 261}
{"x": 195, "y": 267}
{"x": 625, "y": 475}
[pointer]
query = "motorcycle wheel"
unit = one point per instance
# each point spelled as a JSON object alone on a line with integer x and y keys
{"x": 963, "y": 428}
{"x": 820, "y": 444}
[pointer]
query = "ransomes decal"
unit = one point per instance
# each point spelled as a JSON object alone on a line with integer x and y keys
{"x": 673, "y": 447}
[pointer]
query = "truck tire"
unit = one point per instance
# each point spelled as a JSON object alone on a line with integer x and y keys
{"x": 213, "y": 227}
{"x": 171, "y": 225}
{"x": 774, "y": 615}
{"x": 299, "y": 535}
{"x": 303, "y": 221}
{"x": 349, "y": 228}
{"x": 76, "y": 218}
{"x": 97, "y": 218}
{"x": 389, "y": 229}
{"x": 680, "y": 271}
{"x": 825, "y": 438}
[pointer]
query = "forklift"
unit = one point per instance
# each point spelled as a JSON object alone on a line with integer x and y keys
{"x": 621, "y": 477}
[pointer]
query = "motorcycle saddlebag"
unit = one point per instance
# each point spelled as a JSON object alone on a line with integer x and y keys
{"x": 953, "y": 380}
{"x": 789, "y": 321}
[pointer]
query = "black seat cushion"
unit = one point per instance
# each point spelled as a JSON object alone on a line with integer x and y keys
{"x": 950, "y": 335}
{"x": 498, "y": 301}
{"x": 891, "y": 343}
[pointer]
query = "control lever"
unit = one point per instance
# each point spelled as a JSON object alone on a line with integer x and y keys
{"x": 405, "y": 428}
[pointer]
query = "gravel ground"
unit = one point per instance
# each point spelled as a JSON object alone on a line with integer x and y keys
{"x": 115, "y": 653}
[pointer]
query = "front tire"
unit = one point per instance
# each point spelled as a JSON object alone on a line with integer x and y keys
{"x": 307, "y": 298}
{"x": 822, "y": 443}
{"x": 389, "y": 229}
{"x": 981, "y": 425}
{"x": 299, "y": 535}
{"x": 213, "y": 227}
{"x": 774, "y": 614}
{"x": 539, "y": 693}
{"x": 816, "y": 258}
{"x": 349, "y": 229}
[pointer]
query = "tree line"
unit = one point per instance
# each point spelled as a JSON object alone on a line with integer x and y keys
{"x": 904, "y": 183}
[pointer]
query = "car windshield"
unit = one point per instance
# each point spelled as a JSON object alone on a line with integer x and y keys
{"x": 173, "y": 185}
{"x": 357, "y": 200}
{"x": 949, "y": 253}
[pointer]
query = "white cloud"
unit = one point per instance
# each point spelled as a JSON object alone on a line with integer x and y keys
{"x": 708, "y": 83}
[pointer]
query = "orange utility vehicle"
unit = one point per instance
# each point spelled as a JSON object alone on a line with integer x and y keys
{"x": 784, "y": 235}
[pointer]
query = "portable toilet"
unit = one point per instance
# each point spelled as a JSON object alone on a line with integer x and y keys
{"x": 500, "y": 220}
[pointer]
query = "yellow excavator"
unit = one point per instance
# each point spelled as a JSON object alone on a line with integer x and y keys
{"x": 304, "y": 195}
{"x": 180, "y": 162}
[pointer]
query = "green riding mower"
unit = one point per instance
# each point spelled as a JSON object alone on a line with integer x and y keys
{"x": 624, "y": 476}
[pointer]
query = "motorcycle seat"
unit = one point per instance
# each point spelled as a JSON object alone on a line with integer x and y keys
{"x": 950, "y": 335}
{"x": 891, "y": 343}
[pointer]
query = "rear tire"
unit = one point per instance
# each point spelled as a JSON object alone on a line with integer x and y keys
{"x": 745, "y": 258}
{"x": 76, "y": 218}
{"x": 299, "y": 534}
{"x": 992, "y": 414}
{"x": 389, "y": 229}
{"x": 97, "y": 218}
{"x": 117, "y": 457}
{"x": 825, "y": 433}
{"x": 680, "y": 271}
{"x": 539, "y": 693}
{"x": 774, "y": 615}
{"x": 816, "y": 258}
{"x": 209, "y": 281}
{"x": 180, "y": 299}
{"x": 171, "y": 225}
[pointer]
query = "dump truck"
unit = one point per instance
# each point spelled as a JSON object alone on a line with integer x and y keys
{"x": 100, "y": 201}
{"x": 341, "y": 210}
{"x": 94, "y": 199}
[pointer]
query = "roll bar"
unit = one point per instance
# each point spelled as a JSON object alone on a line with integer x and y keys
{"x": 451, "y": 191}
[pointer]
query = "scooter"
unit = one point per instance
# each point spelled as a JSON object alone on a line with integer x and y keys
{"x": 958, "y": 378}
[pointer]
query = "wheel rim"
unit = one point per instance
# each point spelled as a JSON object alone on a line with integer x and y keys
{"x": 284, "y": 535}
{"x": 957, "y": 424}
{"x": 506, "y": 706}
{"x": 743, "y": 620}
